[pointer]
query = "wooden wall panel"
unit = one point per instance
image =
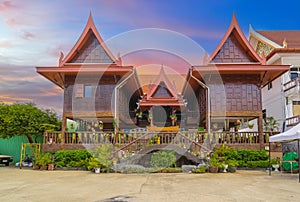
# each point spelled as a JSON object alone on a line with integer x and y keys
{"x": 232, "y": 52}
{"x": 241, "y": 93}
{"x": 101, "y": 99}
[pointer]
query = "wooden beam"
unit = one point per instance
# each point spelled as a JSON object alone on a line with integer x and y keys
{"x": 106, "y": 114}
{"x": 236, "y": 113}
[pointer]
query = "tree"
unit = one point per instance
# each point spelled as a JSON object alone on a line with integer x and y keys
{"x": 26, "y": 119}
{"x": 271, "y": 124}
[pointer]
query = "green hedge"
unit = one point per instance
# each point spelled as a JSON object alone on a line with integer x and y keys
{"x": 72, "y": 158}
{"x": 163, "y": 159}
{"x": 244, "y": 158}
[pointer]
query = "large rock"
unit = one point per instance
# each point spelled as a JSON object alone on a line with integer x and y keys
{"x": 187, "y": 168}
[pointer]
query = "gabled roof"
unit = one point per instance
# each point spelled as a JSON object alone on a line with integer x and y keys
{"x": 235, "y": 34}
{"x": 161, "y": 93}
{"x": 89, "y": 31}
{"x": 256, "y": 35}
{"x": 290, "y": 36}
{"x": 161, "y": 79}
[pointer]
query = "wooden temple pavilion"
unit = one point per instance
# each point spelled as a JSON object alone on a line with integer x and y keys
{"x": 218, "y": 96}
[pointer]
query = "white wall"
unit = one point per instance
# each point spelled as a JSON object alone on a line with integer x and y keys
{"x": 273, "y": 101}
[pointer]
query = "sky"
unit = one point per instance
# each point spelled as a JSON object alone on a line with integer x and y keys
{"x": 32, "y": 33}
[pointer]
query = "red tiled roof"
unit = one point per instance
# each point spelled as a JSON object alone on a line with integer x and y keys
{"x": 292, "y": 37}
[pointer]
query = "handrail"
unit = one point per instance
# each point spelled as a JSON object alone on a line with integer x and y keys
{"x": 291, "y": 84}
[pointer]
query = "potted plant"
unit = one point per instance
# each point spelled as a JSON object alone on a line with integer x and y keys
{"x": 275, "y": 163}
{"x": 37, "y": 162}
{"x": 45, "y": 160}
{"x": 101, "y": 125}
{"x": 232, "y": 165}
{"x": 221, "y": 167}
{"x": 94, "y": 165}
{"x": 139, "y": 114}
{"x": 213, "y": 165}
{"x": 173, "y": 118}
{"x": 250, "y": 125}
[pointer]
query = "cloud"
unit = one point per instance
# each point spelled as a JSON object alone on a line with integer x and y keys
{"x": 7, "y": 5}
{"x": 23, "y": 84}
{"x": 27, "y": 35}
{"x": 14, "y": 22}
{"x": 5, "y": 44}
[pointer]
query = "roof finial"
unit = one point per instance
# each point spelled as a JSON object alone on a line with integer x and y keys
{"x": 61, "y": 57}
{"x": 119, "y": 59}
{"x": 284, "y": 43}
{"x": 233, "y": 19}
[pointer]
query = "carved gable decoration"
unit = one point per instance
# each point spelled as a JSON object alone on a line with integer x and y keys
{"x": 232, "y": 52}
{"x": 162, "y": 91}
{"x": 92, "y": 52}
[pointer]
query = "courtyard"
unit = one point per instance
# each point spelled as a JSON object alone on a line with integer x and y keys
{"x": 30, "y": 185}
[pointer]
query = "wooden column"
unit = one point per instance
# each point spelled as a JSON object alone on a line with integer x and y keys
{"x": 260, "y": 131}
{"x": 63, "y": 128}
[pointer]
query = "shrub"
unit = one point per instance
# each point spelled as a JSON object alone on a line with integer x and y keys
{"x": 72, "y": 158}
{"x": 200, "y": 169}
{"x": 103, "y": 155}
{"x": 43, "y": 159}
{"x": 232, "y": 163}
{"x": 93, "y": 163}
{"x": 258, "y": 164}
{"x": 163, "y": 159}
{"x": 240, "y": 158}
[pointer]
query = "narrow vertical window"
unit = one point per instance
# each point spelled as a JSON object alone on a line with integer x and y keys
{"x": 78, "y": 88}
{"x": 270, "y": 85}
{"x": 88, "y": 91}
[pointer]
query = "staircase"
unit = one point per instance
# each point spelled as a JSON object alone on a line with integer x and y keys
{"x": 144, "y": 146}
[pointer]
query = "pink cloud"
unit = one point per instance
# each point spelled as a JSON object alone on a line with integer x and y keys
{"x": 53, "y": 91}
{"x": 13, "y": 22}
{"x": 150, "y": 57}
{"x": 7, "y": 5}
{"x": 54, "y": 51}
{"x": 5, "y": 44}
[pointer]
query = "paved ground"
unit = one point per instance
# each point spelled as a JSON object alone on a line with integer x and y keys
{"x": 30, "y": 185}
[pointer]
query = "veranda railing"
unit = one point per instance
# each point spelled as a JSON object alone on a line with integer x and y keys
{"x": 154, "y": 137}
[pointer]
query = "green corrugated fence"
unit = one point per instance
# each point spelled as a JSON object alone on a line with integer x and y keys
{"x": 12, "y": 146}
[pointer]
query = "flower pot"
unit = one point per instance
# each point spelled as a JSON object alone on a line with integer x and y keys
{"x": 232, "y": 169}
{"x": 276, "y": 167}
{"x": 43, "y": 167}
{"x": 97, "y": 170}
{"x": 51, "y": 166}
{"x": 36, "y": 167}
{"x": 213, "y": 169}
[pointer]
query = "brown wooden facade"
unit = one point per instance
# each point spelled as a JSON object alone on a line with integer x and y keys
{"x": 227, "y": 87}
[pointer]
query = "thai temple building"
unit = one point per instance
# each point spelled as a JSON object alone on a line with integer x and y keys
{"x": 220, "y": 100}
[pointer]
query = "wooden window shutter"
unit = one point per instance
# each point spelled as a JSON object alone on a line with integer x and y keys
{"x": 79, "y": 90}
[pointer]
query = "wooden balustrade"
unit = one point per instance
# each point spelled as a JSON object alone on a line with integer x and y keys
{"x": 291, "y": 84}
{"x": 292, "y": 121}
{"x": 142, "y": 138}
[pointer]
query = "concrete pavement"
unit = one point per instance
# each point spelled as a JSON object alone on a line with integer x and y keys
{"x": 29, "y": 185}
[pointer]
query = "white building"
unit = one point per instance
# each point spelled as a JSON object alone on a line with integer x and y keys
{"x": 281, "y": 98}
